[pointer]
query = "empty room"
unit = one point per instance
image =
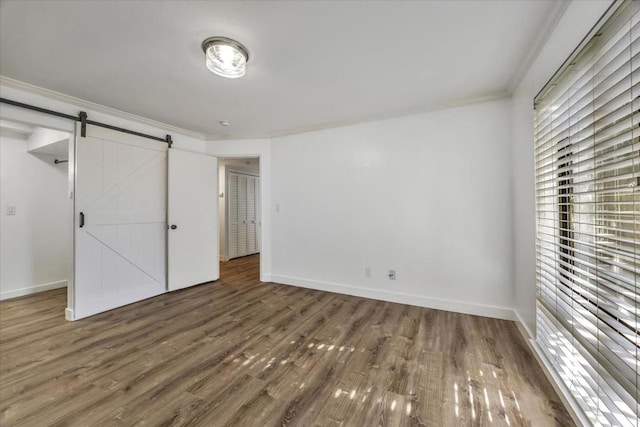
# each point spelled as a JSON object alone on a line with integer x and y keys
{"x": 319, "y": 213}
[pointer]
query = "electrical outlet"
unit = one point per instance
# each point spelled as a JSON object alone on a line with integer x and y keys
{"x": 367, "y": 272}
{"x": 392, "y": 275}
{"x": 11, "y": 210}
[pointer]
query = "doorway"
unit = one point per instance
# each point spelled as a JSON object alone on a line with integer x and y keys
{"x": 240, "y": 218}
{"x": 35, "y": 226}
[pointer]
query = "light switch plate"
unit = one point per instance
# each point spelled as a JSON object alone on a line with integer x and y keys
{"x": 11, "y": 210}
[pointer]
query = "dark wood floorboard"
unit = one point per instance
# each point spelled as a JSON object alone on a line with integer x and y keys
{"x": 239, "y": 352}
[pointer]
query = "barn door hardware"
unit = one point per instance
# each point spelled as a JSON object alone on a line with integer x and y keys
{"x": 84, "y": 121}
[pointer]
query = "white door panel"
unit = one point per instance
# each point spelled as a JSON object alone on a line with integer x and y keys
{"x": 193, "y": 209}
{"x": 251, "y": 215}
{"x": 232, "y": 216}
{"x": 120, "y": 250}
{"x": 243, "y": 214}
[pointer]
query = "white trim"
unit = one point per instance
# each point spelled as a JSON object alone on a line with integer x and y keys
{"x": 401, "y": 298}
{"x": 540, "y": 40}
{"x": 32, "y": 290}
{"x": 68, "y": 314}
{"x": 81, "y": 103}
{"x": 380, "y": 117}
{"x": 528, "y": 333}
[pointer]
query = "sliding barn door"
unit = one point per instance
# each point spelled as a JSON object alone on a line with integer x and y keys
{"x": 193, "y": 219}
{"x": 120, "y": 220}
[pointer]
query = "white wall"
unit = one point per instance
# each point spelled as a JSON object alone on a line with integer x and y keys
{"x": 574, "y": 25}
{"x": 427, "y": 195}
{"x": 48, "y": 141}
{"x": 260, "y": 148}
{"x": 35, "y": 244}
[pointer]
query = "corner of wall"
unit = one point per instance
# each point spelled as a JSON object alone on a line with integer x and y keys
{"x": 575, "y": 21}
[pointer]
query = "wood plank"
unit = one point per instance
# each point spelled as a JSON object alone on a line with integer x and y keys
{"x": 239, "y": 352}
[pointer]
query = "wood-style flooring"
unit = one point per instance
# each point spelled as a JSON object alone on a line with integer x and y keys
{"x": 243, "y": 353}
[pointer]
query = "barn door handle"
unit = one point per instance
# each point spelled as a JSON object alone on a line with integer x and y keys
{"x": 81, "y": 219}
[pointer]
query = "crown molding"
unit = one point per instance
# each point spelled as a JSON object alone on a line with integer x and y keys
{"x": 84, "y": 104}
{"x": 81, "y": 103}
{"x": 543, "y": 34}
{"x": 378, "y": 118}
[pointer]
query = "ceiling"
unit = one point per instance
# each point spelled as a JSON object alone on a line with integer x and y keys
{"x": 246, "y": 163}
{"x": 313, "y": 64}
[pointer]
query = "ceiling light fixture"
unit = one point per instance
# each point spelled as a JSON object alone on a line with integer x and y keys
{"x": 225, "y": 57}
{"x": 224, "y": 123}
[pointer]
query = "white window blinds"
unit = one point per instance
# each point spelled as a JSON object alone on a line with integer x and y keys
{"x": 587, "y": 162}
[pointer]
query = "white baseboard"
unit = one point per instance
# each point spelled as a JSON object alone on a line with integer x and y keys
{"x": 528, "y": 333}
{"x": 266, "y": 277}
{"x": 417, "y": 300}
{"x": 32, "y": 290}
{"x": 68, "y": 314}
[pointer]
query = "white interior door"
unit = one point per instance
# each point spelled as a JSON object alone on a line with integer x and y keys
{"x": 120, "y": 220}
{"x": 193, "y": 219}
{"x": 252, "y": 243}
{"x": 242, "y": 215}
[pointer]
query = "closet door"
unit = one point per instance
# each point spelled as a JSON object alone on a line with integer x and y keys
{"x": 242, "y": 215}
{"x": 232, "y": 215}
{"x": 252, "y": 244}
{"x": 243, "y": 212}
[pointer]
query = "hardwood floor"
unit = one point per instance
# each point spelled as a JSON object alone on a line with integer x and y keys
{"x": 242, "y": 353}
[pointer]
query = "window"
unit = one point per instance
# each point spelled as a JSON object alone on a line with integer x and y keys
{"x": 587, "y": 154}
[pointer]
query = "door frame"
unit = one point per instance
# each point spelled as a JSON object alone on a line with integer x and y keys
{"x": 263, "y": 172}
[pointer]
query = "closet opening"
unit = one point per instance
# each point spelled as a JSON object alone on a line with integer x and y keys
{"x": 240, "y": 219}
{"x": 36, "y": 218}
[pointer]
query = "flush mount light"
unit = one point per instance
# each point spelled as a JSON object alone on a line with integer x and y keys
{"x": 224, "y": 123}
{"x": 225, "y": 57}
